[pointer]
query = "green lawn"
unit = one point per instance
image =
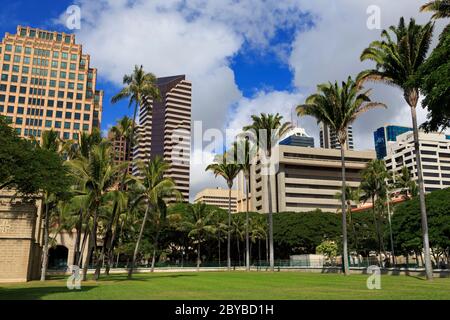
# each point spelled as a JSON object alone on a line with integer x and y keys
{"x": 233, "y": 285}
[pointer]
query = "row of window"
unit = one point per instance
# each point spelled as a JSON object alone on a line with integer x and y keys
{"x": 39, "y": 62}
{"x": 51, "y": 94}
{"x": 44, "y": 35}
{"x": 49, "y": 113}
{"x": 51, "y": 103}
{"x": 48, "y": 123}
{"x": 43, "y": 73}
{"x": 43, "y": 82}
{"x": 37, "y": 133}
{"x": 41, "y": 52}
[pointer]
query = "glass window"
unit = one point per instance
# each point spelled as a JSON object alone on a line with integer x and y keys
{"x": 54, "y": 64}
{"x": 59, "y": 114}
{"x": 7, "y": 57}
{"x": 66, "y": 125}
{"x": 73, "y": 66}
{"x": 60, "y": 94}
{"x": 50, "y": 103}
{"x": 63, "y": 74}
{"x": 18, "y": 49}
{"x": 63, "y": 65}
{"x": 86, "y": 117}
{"x": 62, "y": 84}
{"x": 60, "y": 104}
{"x": 75, "y": 136}
{"x": 51, "y": 93}
{"x": 12, "y": 88}
{"x": 18, "y": 130}
{"x": 26, "y": 60}
{"x": 77, "y": 116}
{"x": 21, "y": 100}
{"x": 5, "y": 67}
{"x": 76, "y": 126}
{"x": 58, "y": 124}
{"x": 8, "y": 47}
{"x": 27, "y": 50}
{"x": 66, "y": 135}
{"x": 52, "y": 83}
{"x": 53, "y": 73}
{"x": 79, "y": 96}
{"x": 68, "y": 115}
{"x": 71, "y": 76}
{"x": 69, "y": 95}
{"x": 25, "y": 70}
{"x": 19, "y": 120}
{"x": 14, "y": 78}
{"x": 48, "y": 123}
{"x": 15, "y": 68}
{"x": 24, "y": 80}
{"x": 79, "y": 86}
{"x": 69, "y": 105}
{"x": 64, "y": 55}
{"x": 78, "y": 106}
{"x": 87, "y": 107}
{"x": 10, "y": 109}
{"x": 73, "y": 57}
{"x": 81, "y": 77}
{"x": 4, "y": 77}
{"x": 71, "y": 85}
{"x": 20, "y": 110}
{"x": 12, "y": 99}
{"x": 2, "y": 87}
{"x": 85, "y": 127}
{"x": 16, "y": 58}
{"x": 49, "y": 113}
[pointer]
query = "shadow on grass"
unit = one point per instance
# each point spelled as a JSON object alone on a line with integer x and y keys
{"x": 36, "y": 293}
{"x": 138, "y": 277}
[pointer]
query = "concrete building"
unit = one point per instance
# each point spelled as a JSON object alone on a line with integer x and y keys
{"x": 47, "y": 83}
{"x": 121, "y": 149}
{"x": 217, "y": 197}
{"x": 386, "y": 135}
{"x": 328, "y": 138}
{"x": 165, "y": 130}
{"x": 435, "y": 156}
{"x": 307, "y": 179}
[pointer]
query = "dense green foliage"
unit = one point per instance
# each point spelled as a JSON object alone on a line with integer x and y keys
{"x": 28, "y": 168}
{"x": 435, "y": 85}
{"x": 407, "y": 228}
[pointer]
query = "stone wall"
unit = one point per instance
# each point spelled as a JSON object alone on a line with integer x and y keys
{"x": 19, "y": 251}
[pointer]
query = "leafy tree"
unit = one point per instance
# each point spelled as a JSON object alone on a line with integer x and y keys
{"x": 434, "y": 79}
{"x": 398, "y": 60}
{"x": 338, "y": 107}
{"x": 404, "y": 183}
{"x": 329, "y": 249}
{"x": 406, "y": 224}
{"x": 266, "y": 130}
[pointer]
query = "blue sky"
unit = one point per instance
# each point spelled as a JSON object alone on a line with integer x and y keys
{"x": 254, "y": 69}
{"x": 243, "y": 57}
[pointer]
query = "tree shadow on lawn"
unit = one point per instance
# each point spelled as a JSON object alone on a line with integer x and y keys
{"x": 139, "y": 277}
{"x": 36, "y": 293}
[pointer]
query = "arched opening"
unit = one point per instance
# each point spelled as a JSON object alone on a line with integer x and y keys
{"x": 57, "y": 257}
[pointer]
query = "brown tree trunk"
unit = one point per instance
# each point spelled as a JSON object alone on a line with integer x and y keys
{"x": 344, "y": 215}
{"x": 45, "y": 248}
{"x": 138, "y": 242}
{"x": 247, "y": 240}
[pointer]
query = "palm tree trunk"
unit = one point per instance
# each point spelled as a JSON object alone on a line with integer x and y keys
{"x": 45, "y": 249}
{"x": 83, "y": 245}
{"x": 391, "y": 236}
{"x": 423, "y": 210}
{"x": 155, "y": 248}
{"x": 229, "y": 231}
{"x": 138, "y": 242}
{"x": 88, "y": 257}
{"x": 247, "y": 240}
{"x": 238, "y": 250}
{"x": 78, "y": 238}
{"x": 219, "y": 248}
{"x": 344, "y": 215}
{"x": 269, "y": 190}
{"x": 375, "y": 221}
{"x": 198, "y": 255}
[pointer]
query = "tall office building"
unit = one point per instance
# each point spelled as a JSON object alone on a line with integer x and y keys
{"x": 165, "y": 130}
{"x": 307, "y": 179}
{"x": 328, "y": 138}
{"x": 47, "y": 83}
{"x": 435, "y": 156}
{"x": 387, "y": 135}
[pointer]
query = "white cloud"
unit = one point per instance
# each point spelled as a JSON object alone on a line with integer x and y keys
{"x": 330, "y": 51}
{"x": 199, "y": 38}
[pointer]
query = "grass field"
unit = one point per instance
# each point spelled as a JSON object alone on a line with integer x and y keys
{"x": 234, "y": 285}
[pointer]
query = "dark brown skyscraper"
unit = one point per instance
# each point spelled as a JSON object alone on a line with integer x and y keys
{"x": 165, "y": 130}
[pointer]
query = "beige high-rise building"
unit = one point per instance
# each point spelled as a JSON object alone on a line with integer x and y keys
{"x": 329, "y": 139}
{"x": 165, "y": 130}
{"x": 307, "y": 179}
{"x": 434, "y": 153}
{"x": 218, "y": 197}
{"x": 47, "y": 83}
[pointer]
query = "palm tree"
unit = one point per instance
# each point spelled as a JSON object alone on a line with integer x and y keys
{"x": 374, "y": 187}
{"x": 351, "y": 195}
{"x": 228, "y": 171}
{"x": 338, "y": 107}
{"x": 198, "y": 221}
{"x": 440, "y": 8}
{"x": 219, "y": 223}
{"x": 153, "y": 189}
{"x": 50, "y": 141}
{"x": 397, "y": 64}
{"x": 266, "y": 131}
{"x": 97, "y": 175}
{"x": 244, "y": 152}
{"x": 404, "y": 183}
{"x": 140, "y": 89}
